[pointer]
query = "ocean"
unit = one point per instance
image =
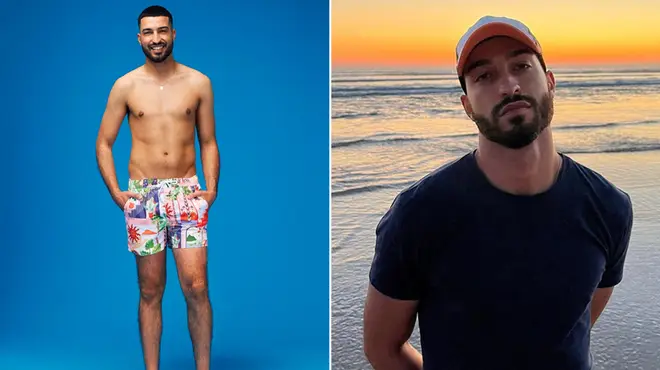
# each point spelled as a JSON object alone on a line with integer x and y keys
{"x": 391, "y": 127}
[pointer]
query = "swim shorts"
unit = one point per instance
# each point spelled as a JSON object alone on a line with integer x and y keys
{"x": 164, "y": 216}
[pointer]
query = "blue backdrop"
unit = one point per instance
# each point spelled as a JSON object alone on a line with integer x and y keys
{"x": 69, "y": 290}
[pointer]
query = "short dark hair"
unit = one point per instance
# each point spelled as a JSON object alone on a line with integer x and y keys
{"x": 155, "y": 11}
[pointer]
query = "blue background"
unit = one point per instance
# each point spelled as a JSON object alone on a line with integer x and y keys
{"x": 69, "y": 290}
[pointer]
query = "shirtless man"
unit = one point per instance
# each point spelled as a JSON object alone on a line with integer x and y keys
{"x": 164, "y": 205}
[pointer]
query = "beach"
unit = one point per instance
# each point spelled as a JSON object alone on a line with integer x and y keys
{"x": 391, "y": 127}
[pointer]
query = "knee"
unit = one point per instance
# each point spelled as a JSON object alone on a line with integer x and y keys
{"x": 195, "y": 290}
{"x": 152, "y": 292}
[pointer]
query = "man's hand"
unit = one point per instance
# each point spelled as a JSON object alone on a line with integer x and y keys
{"x": 122, "y": 197}
{"x": 208, "y": 196}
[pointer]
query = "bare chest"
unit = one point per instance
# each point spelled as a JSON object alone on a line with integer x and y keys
{"x": 163, "y": 104}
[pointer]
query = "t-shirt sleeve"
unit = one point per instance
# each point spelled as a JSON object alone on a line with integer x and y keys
{"x": 395, "y": 268}
{"x": 617, "y": 255}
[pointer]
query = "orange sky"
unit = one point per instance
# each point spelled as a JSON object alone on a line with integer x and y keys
{"x": 425, "y": 32}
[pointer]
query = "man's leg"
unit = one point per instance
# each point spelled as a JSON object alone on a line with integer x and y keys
{"x": 192, "y": 270}
{"x": 188, "y": 239}
{"x": 151, "y": 279}
{"x": 146, "y": 239}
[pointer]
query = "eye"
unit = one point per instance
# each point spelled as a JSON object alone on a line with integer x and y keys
{"x": 482, "y": 76}
{"x": 522, "y": 66}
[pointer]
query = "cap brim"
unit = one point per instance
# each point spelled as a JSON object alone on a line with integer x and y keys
{"x": 492, "y": 30}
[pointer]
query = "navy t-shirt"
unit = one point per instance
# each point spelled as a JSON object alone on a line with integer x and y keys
{"x": 503, "y": 281}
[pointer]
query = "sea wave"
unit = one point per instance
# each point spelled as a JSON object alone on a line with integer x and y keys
{"x": 354, "y": 115}
{"x": 381, "y": 139}
{"x": 370, "y": 188}
{"x": 353, "y": 92}
{"x": 342, "y": 92}
{"x": 622, "y": 148}
{"x": 350, "y": 184}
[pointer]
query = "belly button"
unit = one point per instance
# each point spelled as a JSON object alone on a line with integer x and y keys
{"x": 165, "y": 153}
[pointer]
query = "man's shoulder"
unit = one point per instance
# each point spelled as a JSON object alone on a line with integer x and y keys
{"x": 600, "y": 185}
{"x": 613, "y": 202}
{"x": 440, "y": 186}
{"x": 195, "y": 75}
{"x": 127, "y": 79}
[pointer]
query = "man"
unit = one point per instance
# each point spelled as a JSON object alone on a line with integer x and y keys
{"x": 164, "y": 205}
{"x": 509, "y": 254}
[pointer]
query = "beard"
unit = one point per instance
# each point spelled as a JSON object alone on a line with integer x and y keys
{"x": 167, "y": 51}
{"x": 522, "y": 133}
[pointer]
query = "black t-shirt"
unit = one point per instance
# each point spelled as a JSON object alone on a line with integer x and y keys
{"x": 503, "y": 281}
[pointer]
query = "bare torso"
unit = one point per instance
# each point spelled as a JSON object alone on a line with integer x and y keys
{"x": 162, "y": 123}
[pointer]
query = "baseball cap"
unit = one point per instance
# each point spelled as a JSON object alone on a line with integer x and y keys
{"x": 491, "y": 26}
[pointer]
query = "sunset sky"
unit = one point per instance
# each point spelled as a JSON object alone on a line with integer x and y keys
{"x": 425, "y": 32}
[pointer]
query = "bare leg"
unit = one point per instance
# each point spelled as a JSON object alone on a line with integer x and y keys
{"x": 192, "y": 269}
{"x": 151, "y": 279}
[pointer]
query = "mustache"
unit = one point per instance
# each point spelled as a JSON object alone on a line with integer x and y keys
{"x": 512, "y": 99}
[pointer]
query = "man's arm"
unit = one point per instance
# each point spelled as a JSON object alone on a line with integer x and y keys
{"x": 113, "y": 116}
{"x": 206, "y": 134}
{"x": 616, "y": 260}
{"x": 599, "y": 301}
{"x": 388, "y": 324}
{"x": 390, "y": 309}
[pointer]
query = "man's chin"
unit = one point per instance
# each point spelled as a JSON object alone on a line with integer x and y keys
{"x": 158, "y": 59}
{"x": 515, "y": 141}
{"x": 519, "y": 120}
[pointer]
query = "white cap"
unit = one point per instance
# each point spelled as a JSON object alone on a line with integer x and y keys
{"x": 487, "y": 27}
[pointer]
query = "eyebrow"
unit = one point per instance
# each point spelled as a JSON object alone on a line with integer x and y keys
{"x": 163, "y": 28}
{"x": 483, "y": 62}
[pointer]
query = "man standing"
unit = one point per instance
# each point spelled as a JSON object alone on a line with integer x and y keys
{"x": 508, "y": 254}
{"x": 164, "y": 205}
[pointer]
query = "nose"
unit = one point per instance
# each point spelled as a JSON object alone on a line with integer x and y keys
{"x": 509, "y": 85}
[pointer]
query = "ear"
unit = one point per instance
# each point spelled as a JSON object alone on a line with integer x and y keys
{"x": 173, "y": 34}
{"x": 467, "y": 107}
{"x": 139, "y": 39}
{"x": 552, "y": 84}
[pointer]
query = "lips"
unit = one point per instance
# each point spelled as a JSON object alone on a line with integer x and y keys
{"x": 158, "y": 47}
{"x": 513, "y": 106}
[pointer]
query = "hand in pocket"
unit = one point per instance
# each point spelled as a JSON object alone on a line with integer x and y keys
{"x": 122, "y": 197}
{"x": 208, "y": 196}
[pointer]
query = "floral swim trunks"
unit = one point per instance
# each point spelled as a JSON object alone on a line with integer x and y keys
{"x": 164, "y": 216}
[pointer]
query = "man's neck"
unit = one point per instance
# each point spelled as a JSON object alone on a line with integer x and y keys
{"x": 527, "y": 171}
{"x": 161, "y": 71}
